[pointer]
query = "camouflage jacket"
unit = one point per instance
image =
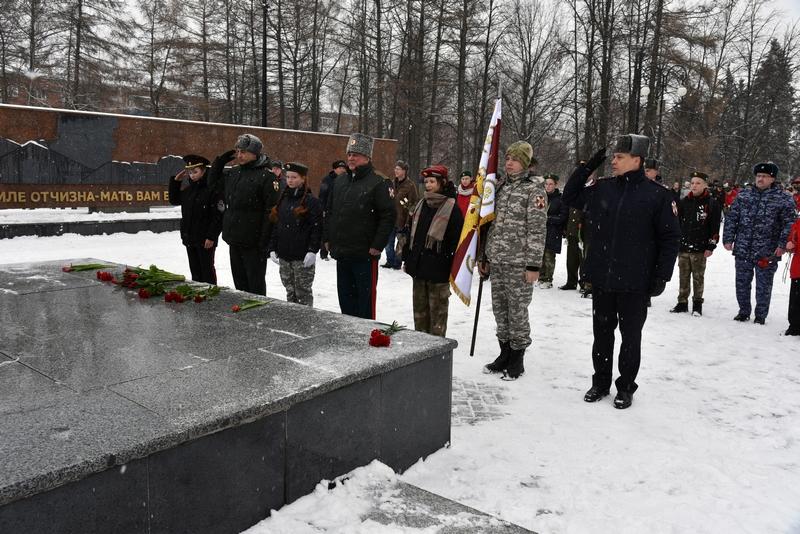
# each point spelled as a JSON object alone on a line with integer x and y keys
{"x": 517, "y": 234}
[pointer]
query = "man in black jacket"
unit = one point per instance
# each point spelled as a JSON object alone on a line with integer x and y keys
{"x": 359, "y": 218}
{"x": 250, "y": 191}
{"x": 635, "y": 238}
{"x": 699, "y": 214}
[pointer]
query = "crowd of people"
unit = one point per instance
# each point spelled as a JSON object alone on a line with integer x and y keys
{"x": 624, "y": 233}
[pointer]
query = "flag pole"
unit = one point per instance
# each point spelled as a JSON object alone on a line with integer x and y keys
{"x": 479, "y": 255}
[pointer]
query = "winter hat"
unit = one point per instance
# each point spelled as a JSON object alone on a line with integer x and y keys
{"x": 466, "y": 173}
{"x": 360, "y": 144}
{"x": 249, "y": 143}
{"x": 402, "y": 164}
{"x": 522, "y": 152}
{"x": 193, "y": 160}
{"x": 299, "y": 168}
{"x": 767, "y": 168}
{"x": 435, "y": 171}
{"x": 551, "y": 176}
{"x": 633, "y": 144}
{"x": 651, "y": 163}
{"x": 276, "y": 163}
{"x": 338, "y": 163}
{"x": 697, "y": 174}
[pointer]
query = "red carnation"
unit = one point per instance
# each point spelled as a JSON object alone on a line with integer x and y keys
{"x": 144, "y": 293}
{"x": 168, "y": 297}
{"x": 235, "y": 308}
{"x": 198, "y": 299}
{"x": 67, "y": 269}
{"x": 379, "y": 339}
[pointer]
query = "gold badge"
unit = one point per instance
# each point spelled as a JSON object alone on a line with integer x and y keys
{"x": 352, "y": 141}
{"x": 276, "y": 186}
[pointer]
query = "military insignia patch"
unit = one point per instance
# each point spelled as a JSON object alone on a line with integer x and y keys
{"x": 352, "y": 141}
{"x": 221, "y": 206}
{"x": 539, "y": 202}
{"x": 590, "y": 182}
{"x": 674, "y": 209}
{"x": 277, "y": 186}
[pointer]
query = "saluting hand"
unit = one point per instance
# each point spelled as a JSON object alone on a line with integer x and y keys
{"x": 596, "y": 160}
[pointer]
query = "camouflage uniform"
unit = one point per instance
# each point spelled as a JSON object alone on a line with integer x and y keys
{"x": 692, "y": 266}
{"x": 298, "y": 281}
{"x": 514, "y": 243}
{"x": 430, "y": 306}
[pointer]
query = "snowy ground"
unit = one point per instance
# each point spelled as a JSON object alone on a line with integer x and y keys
{"x": 711, "y": 443}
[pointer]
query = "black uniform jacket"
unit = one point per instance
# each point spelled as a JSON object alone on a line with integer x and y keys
{"x": 201, "y": 210}
{"x": 634, "y": 227}
{"x": 700, "y": 219}
{"x": 292, "y": 236}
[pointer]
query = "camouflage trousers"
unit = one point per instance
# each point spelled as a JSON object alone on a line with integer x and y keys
{"x": 692, "y": 265}
{"x": 431, "y": 306}
{"x": 548, "y": 266}
{"x": 745, "y": 269}
{"x": 298, "y": 281}
{"x": 511, "y": 296}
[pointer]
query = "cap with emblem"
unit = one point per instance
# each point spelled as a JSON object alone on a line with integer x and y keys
{"x": 276, "y": 163}
{"x": 551, "y": 176}
{"x": 299, "y": 168}
{"x": 697, "y": 174}
{"x": 193, "y": 160}
{"x": 360, "y": 143}
{"x": 466, "y": 173}
{"x": 249, "y": 143}
{"x": 766, "y": 167}
{"x": 633, "y": 144}
{"x": 338, "y": 163}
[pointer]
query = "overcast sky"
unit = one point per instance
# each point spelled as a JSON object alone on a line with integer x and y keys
{"x": 789, "y": 7}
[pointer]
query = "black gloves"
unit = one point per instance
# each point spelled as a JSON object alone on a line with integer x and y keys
{"x": 227, "y": 156}
{"x": 596, "y": 160}
{"x": 657, "y": 287}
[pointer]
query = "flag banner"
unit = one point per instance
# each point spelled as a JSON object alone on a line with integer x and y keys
{"x": 479, "y": 213}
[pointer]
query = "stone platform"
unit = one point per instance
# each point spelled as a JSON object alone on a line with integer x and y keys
{"x": 125, "y": 415}
{"x": 132, "y": 226}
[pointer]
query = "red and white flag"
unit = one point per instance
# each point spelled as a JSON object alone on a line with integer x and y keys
{"x": 480, "y": 212}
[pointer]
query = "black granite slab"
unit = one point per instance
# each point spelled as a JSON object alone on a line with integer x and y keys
{"x": 93, "y": 377}
{"x": 130, "y": 226}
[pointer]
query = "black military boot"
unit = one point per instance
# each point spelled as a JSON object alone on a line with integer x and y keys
{"x": 742, "y": 318}
{"x": 680, "y": 307}
{"x": 515, "y": 367}
{"x": 595, "y": 393}
{"x": 500, "y": 363}
{"x": 623, "y": 400}
{"x": 697, "y": 307}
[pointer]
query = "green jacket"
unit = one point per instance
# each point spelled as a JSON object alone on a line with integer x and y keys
{"x": 360, "y": 214}
{"x": 250, "y": 191}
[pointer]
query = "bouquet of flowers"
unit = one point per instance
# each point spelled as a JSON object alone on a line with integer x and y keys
{"x": 382, "y": 337}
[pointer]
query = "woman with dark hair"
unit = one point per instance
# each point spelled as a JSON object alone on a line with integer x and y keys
{"x": 436, "y": 225}
{"x": 296, "y": 233}
{"x": 201, "y": 216}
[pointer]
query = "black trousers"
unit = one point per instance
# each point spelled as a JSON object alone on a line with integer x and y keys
{"x": 629, "y": 310}
{"x": 794, "y": 304}
{"x": 574, "y": 260}
{"x": 249, "y": 269}
{"x": 356, "y": 281}
{"x": 201, "y": 264}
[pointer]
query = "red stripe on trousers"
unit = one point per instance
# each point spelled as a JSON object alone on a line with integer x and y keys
{"x": 372, "y": 290}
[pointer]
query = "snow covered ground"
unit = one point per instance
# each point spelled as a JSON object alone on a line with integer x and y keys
{"x": 711, "y": 443}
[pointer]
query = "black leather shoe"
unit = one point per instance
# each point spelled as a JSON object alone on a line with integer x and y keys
{"x": 595, "y": 393}
{"x": 758, "y": 320}
{"x": 680, "y": 307}
{"x": 567, "y": 287}
{"x": 623, "y": 400}
{"x": 792, "y": 331}
{"x": 742, "y": 318}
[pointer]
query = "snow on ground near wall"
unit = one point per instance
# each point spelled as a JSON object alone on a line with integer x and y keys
{"x": 58, "y": 215}
{"x": 711, "y": 443}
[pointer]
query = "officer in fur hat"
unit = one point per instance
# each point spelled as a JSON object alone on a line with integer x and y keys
{"x": 250, "y": 190}
{"x": 359, "y": 218}
{"x": 756, "y": 229}
{"x": 202, "y": 210}
{"x": 635, "y": 238}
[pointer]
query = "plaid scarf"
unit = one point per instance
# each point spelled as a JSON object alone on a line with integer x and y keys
{"x": 444, "y": 207}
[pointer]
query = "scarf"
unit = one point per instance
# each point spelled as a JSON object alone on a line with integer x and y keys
{"x": 444, "y": 207}
{"x": 465, "y": 192}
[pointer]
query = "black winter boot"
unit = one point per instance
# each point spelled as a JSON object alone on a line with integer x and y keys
{"x": 680, "y": 307}
{"x": 515, "y": 367}
{"x": 500, "y": 363}
{"x": 697, "y": 307}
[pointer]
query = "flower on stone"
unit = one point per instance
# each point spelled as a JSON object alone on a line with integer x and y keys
{"x": 247, "y": 304}
{"x": 105, "y": 276}
{"x": 75, "y": 268}
{"x": 144, "y": 293}
{"x": 382, "y": 337}
{"x": 236, "y": 308}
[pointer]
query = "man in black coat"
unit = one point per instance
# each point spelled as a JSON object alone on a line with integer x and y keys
{"x": 250, "y": 191}
{"x": 338, "y": 168}
{"x": 699, "y": 214}
{"x": 557, "y": 214}
{"x": 202, "y": 209}
{"x": 635, "y": 239}
{"x": 360, "y": 217}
